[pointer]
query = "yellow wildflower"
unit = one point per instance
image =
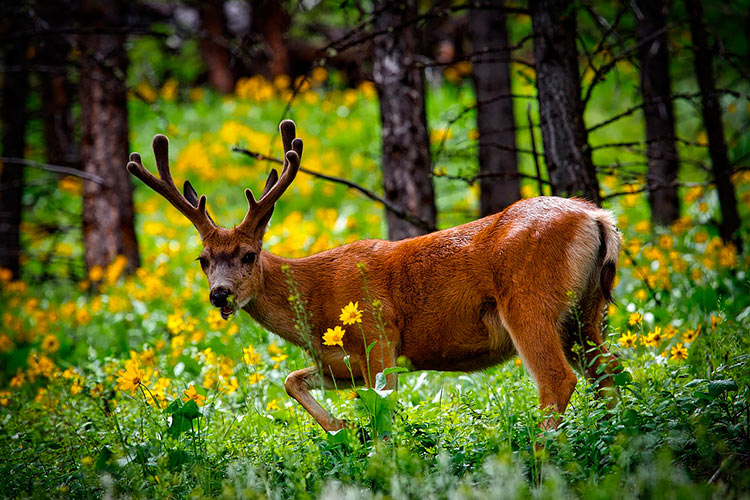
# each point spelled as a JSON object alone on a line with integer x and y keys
{"x": 700, "y": 236}
{"x": 273, "y": 349}
{"x": 653, "y": 338}
{"x": 229, "y": 386}
{"x": 666, "y": 241}
{"x": 278, "y": 359}
{"x": 669, "y": 332}
{"x": 18, "y": 380}
{"x": 643, "y": 226}
{"x": 5, "y": 398}
{"x": 192, "y": 394}
{"x": 635, "y": 318}
{"x": 250, "y": 356}
{"x": 96, "y": 273}
{"x": 728, "y": 256}
{"x": 640, "y": 295}
{"x": 6, "y": 344}
{"x": 130, "y": 378}
{"x": 715, "y": 320}
{"x": 50, "y": 343}
{"x": 255, "y": 378}
{"x": 627, "y": 339}
{"x": 690, "y": 335}
{"x": 350, "y": 314}
{"x": 334, "y": 336}
{"x": 76, "y": 388}
{"x": 272, "y": 406}
{"x": 678, "y": 353}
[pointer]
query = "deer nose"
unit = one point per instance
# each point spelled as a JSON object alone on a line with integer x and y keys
{"x": 218, "y": 296}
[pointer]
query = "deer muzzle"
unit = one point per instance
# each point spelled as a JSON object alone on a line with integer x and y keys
{"x": 223, "y": 298}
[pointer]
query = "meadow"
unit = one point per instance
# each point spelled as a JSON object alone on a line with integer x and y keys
{"x": 114, "y": 385}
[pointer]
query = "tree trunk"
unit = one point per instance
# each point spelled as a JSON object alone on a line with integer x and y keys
{"x": 656, "y": 88}
{"x": 566, "y": 148}
{"x": 214, "y": 52}
{"x": 57, "y": 90}
{"x": 499, "y": 184}
{"x": 108, "y": 229}
{"x": 14, "y": 118}
{"x": 717, "y": 147}
{"x": 407, "y": 176}
{"x": 269, "y": 25}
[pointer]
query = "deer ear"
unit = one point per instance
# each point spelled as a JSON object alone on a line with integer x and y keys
{"x": 192, "y": 196}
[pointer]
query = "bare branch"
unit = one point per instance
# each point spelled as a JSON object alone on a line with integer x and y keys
{"x": 391, "y": 207}
{"x": 59, "y": 169}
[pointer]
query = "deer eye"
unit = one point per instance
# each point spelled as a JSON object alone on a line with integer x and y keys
{"x": 203, "y": 261}
{"x": 248, "y": 258}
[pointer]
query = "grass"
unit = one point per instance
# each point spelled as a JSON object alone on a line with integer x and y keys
{"x": 133, "y": 386}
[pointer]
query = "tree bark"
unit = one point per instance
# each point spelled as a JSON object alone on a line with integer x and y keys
{"x": 269, "y": 25}
{"x": 14, "y": 118}
{"x": 215, "y": 54}
{"x": 566, "y": 148}
{"x": 717, "y": 147}
{"x": 407, "y": 175}
{"x": 108, "y": 226}
{"x": 495, "y": 121}
{"x": 656, "y": 88}
{"x": 56, "y": 88}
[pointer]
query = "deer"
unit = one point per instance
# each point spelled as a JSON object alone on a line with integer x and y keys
{"x": 532, "y": 280}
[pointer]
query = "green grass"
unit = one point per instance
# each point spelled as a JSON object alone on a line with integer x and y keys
{"x": 681, "y": 429}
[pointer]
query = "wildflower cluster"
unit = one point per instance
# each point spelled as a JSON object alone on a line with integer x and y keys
{"x": 350, "y": 315}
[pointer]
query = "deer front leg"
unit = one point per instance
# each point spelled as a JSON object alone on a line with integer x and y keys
{"x": 298, "y": 385}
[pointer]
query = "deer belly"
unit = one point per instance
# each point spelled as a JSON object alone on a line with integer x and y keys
{"x": 472, "y": 347}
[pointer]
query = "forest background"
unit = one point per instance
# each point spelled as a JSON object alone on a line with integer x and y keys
{"x": 416, "y": 116}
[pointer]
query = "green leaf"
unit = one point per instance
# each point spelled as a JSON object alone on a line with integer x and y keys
{"x": 173, "y": 406}
{"x": 189, "y": 410}
{"x": 378, "y": 405}
{"x": 178, "y": 458}
{"x": 101, "y": 461}
{"x": 179, "y": 425}
{"x": 622, "y": 378}
{"x": 718, "y": 387}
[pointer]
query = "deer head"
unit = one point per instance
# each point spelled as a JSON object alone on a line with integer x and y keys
{"x": 230, "y": 257}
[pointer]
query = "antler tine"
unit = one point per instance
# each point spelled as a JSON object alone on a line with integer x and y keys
{"x": 165, "y": 186}
{"x": 258, "y": 210}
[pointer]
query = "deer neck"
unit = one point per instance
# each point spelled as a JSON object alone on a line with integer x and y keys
{"x": 271, "y": 307}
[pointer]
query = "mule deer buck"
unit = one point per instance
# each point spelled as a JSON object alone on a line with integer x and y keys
{"x": 531, "y": 280}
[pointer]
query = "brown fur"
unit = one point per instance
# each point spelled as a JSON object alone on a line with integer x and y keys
{"x": 461, "y": 299}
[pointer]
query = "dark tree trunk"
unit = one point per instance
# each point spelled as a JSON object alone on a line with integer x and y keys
{"x": 14, "y": 118}
{"x": 56, "y": 88}
{"x": 270, "y": 23}
{"x": 212, "y": 45}
{"x": 496, "y": 125}
{"x": 566, "y": 148}
{"x": 60, "y": 144}
{"x": 663, "y": 162}
{"x": 407, "y": 176}
{"x": 717, "y": 147}
{"x": 108, "y": 229}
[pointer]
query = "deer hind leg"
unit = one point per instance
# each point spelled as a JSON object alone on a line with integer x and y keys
{"x": 538, "y": 343}
{"x": 298, "y": 385}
